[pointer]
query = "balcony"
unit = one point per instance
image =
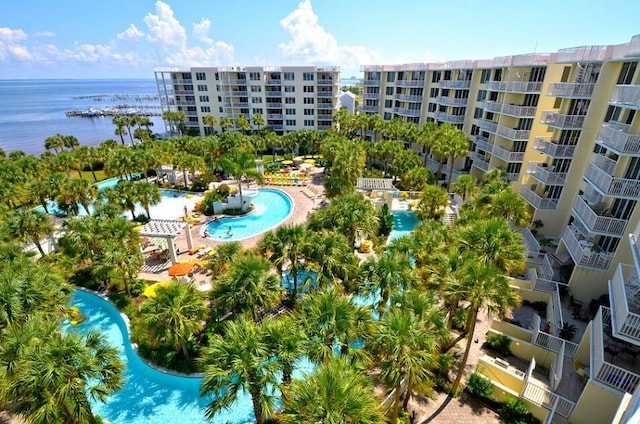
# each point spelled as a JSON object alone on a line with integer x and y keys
{"x": 460, "y": 85}
{"x": 409, "y": 83}
{"x": 329, "y": 106}
{"x": 235, "y": 93}
{"x": 273, "y": 82}
{"x": 406, "y": 112}
{"x": 273, "y": 93}
{"x": 518, "y": 111}
{"x": 371, "y": 96}
{"x": 514, "y": 86}
{"x": 584, "y": 252}
{"x": 372, "y": 83}
{"x": 274, "y": 116}
{"x": 324, "y": 127}
{"x": 408, "y": 98}
{"x": 227, "y": 82}
{"x": 552, "y": 149}
{"x": 538, "y": 201}
{"x": 326, "y": 94}
{"x": 596, "y": 221}
{"x": 452, "y": 101}
{"x": 236, "y": 105}
{"x": 325, "y": 82}
{"x": 484, "y": 144}
{"x": 530, "y": 242}
{"x": 480, "y": 162}
{"x": 274, "y": 105}
{"x": 447, "y": 117}
{"x": 560, "y": 121}
{"x": 605, "y": 183}
{"x": 371, "y": 109}
{"x": 546, "y": 175}
{"x": 602, "y": 371}
{"x": 615, "y": 136}
{"x": 488, "y": 126}
{"x": 509, "y": 133}
{"x": 624, "y": 289}
{"x": 627, "y": 96}
{"x": 571, "y": 90}
{"x": 507, "y": 155}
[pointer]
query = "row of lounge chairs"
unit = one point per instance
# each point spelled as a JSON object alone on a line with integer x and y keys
{"x": 287, "y": 180}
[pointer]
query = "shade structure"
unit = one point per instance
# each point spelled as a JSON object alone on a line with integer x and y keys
{"x": 287, "y": 162}
{"x": 181, "y": 269}
{"x": 310, "y": 161}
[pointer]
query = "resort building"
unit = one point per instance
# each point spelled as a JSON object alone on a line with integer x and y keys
{"x": 289, "y": 98}
{"x": 563, "y": 127}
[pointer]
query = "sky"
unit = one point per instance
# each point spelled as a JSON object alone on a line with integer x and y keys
{"x": 130, "y": 38}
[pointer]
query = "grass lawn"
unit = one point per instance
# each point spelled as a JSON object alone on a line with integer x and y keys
{"x": 100, "y": 175}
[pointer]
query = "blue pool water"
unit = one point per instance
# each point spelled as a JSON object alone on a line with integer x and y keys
{"x": 150, "y": 396}
{"x": 271, "y": 207}
{"x": 403, "y": 224}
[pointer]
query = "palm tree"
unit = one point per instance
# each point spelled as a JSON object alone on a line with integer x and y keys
{"x": 187, "y": 161}
{"x": 258, "y": 121}
{"x": 425, "y": 138}
{"x": 225, "y": 123}
{"x": 173, "y": 316}
{"x": 406, "y": 347}
{"x": 24, "y": 225}
{"x": 239, "y": 360}
{"x": 147, "y": 195}
{"x": 286, "y": 340}
{"x": 433, "y": 200}
{"x": 329, "y": 255}
{"x": 88, "y": 156}
{"x": 248, "y": 286}
{"x": 123, "y": 196}
{"x": 54, "y": 378}
{"x": 71, "y": 142}
{"x": 120, "y": 261}
{"x": 79, "y": 191}
{"x": 210, "y": 121}
{"x": 417, "y": 179}
{"x": 240, "y": 164}
{"x": 484, "y": 287}
{"x": 390, "y": 273}
{"x": 224, "y": 256}
{"x": 121, "y": 127}
{"x": 334, "y": 393}
{"x": 465, "y": 185}
{"x": 55, "y": 143}
{"x": 243, "y": 124}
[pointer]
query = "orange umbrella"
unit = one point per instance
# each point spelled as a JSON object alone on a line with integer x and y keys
{"x": 181, "y": 269}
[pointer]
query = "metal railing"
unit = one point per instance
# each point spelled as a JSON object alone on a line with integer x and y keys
{"x": 580, "y": 251}
{"x": 447, "y": 117}
{"x": 372, "y": 82}
{"x": 371, "y": 96}
{"x": 624, "y": 322}
{"x": 617, "y": 137}
{"x": 549, "y": 148}
{"x": 507, "y": 155}
{"x": 545, "y": 175}
{"x": 547, "y": 399}
{"x": 627, "y": 95}
{"x": 409, "y": 83}
{"x": 446, "y": 100}
{"x": 547, "y": 268}
{"x": 618, "y": 187}
{"x": 408, "y": 97}
{"x": 531, "y": 243}
{"x": 597, "y": 223}
{"x": 536, "y": 200}
{"x": 558, "y": 120}
{"x": 479, "y": 162}
{"x": 571, "y": 90}
{"x": 456, "y": 84}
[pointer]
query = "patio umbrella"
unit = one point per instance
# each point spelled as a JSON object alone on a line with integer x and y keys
{"x": 181, "y": 269}
{"x": 287, "y": 162}
{"x": 310, "y": 161}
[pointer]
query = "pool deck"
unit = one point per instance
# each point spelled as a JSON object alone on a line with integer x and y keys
{"x": 302, "y": 206}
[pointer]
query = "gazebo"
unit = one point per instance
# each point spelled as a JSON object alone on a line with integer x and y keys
{"x": 168, "y": 230}
{"x": 379, "y": 184}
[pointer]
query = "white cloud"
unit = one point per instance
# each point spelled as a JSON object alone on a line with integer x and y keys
{"x": 44, "y": 34}
{"x": 11, "y": 46}
{"x": 201, "y": 30}
{"x": 131, "y": 33}
{"x": 311, "y": 43}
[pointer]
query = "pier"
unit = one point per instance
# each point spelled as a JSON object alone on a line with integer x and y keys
{"x": 148, "y": 110}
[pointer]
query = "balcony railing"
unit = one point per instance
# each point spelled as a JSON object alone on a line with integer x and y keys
{"x": 479, "y": 162}
{"x": 616, "y": 137}
{"x": 625, "y": 305}
{"x": 371, "y": 96}
{"x": 228, "y": 82}
{"x": 584, "y": 252}
{"x": 536, "y": 200}
{"x": 327, "y": 82}
{"x": 610, "y": 186}
{"x": 546, "y": 175}
{"x": 274, "y": 116}
{"x": 548, "y": 400}
{"x": 371, "y": 83}
{"x": 565, "y": 122}
{"x": 273, "y": 93}
{"x": 408, "y": 98}
{"x": 519, "y": 111}
{"x": 456, "y": 84}
{"x": 626, "y": 96}
{"x": 409, "y": 83}
{"x": 507, "y": 155}
{"x": 514, "y": 86}
{"x": 327, "y": 106}
{"x": 602, "y": 371}
{"x": 236, "y": 105}
{"x": 596, "y": 222}
{"x": 488, "y": 126}
{"x": 273, "y": 82}
{"x": 326, "y": 94}
{"x": 530, "y": 242}
{"x": 369, "y": 109}
{"x": 452, "y": 101}
{"x": 484, "y": 144}
{"x": 571, "y": 90}
{"x": 554, "y": 150}
{"x": 274, "y": 105}
{"x": 447, "y": 117}
{"x": 234, "y": 93}
{"x": 406, "y": 112}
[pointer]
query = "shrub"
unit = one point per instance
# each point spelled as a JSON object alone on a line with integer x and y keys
{"x": 199, "y": 185}
{"x": 480, "y": 386}
{"x": 500, "y": 343}
{"x": 515, "y": 411}
{"x": 386, "y": 221}
{"x": 142, "y": 218}
{"x": 460, "y": 319}
{"x": 567, "y": 331}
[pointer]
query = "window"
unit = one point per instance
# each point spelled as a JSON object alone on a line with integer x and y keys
{"x": 389, "y": 91}
{"x": 486, "y": 74}
{"x": 289, "y": 89}
{"x": 431, "y": 107}
{"x": 204, "y": 99}
{"x": 290, "y": 122}
{"x": 205, "y": 109}
{"x": 309, "y": 123}
{"x": 388, "y": 103}
{"x": 219, "y": 99}
{"x": 256, "y": 100}
{"x": 254, "y": 76}
{"x": 217, "y": 75}
{"x": 290, "y": 111}
{"x": 201, "y": 76}
{"x": 307, "y": 76}
{"x": 289, "y": 76}
{"x": 309, "y": 112}
{"x": 257, "y": 111}
{"x": 309, "y": 100}
{"x": 391, "y": 76}
{"x": 256, "y": 89}
{"x": 434, "y": 92}
{"x": 220, "y": 109}
{"x": 203, "y": 87}
{"x": 290, "y": 100}
{"x": 308, "y": 89}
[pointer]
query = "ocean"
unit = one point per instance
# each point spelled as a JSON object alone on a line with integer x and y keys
{"x": 32, "y": 110}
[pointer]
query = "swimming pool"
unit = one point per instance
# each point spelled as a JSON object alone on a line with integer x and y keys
{"x": 271, "y": 207}
{"x": 403, "y": 224}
